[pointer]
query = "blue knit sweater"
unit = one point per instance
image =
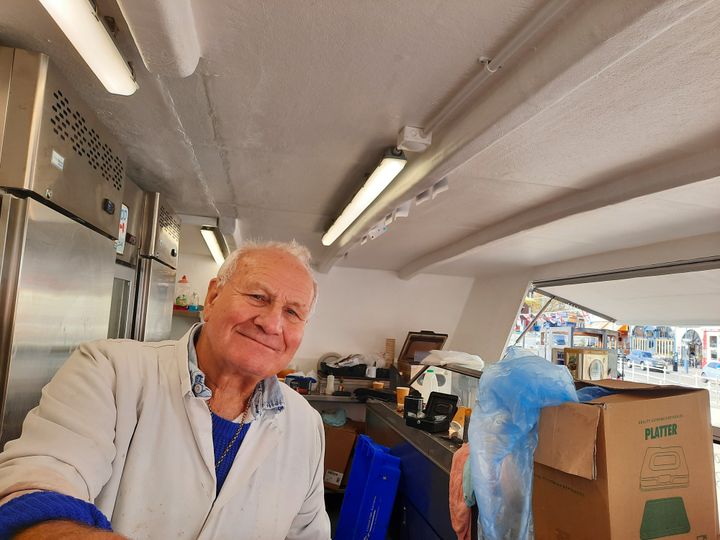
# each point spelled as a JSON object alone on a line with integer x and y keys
{"x": 223, "y": 432}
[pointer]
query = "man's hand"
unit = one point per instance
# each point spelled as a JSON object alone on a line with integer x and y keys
{"x": 65, "y": 530}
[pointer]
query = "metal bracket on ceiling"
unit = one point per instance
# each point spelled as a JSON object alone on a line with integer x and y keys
{"x": 575, "y": 305}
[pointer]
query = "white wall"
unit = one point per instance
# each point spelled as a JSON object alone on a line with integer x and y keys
{"x": 489, "y": 314}
{"x": 199, "y": 269}
{"x": 357, "y": 309}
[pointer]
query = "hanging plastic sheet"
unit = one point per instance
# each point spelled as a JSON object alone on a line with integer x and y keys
{"x": 503, "y": 437}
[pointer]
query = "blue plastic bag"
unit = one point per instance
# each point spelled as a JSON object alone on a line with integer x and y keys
{"x": 503, "y": 436}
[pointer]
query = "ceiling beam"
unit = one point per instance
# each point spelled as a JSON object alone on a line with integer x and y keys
{"x": 661, "y": 269}
{"x": 701, "y": 247}
{"x": 591, "y": 39}
{"x": 660, "y": 177}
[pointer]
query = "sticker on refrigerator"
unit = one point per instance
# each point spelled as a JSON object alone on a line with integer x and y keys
{"x": 57, "y": 160}
{"x": 122, "y": 230}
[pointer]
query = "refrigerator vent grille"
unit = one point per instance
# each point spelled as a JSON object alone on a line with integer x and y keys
{"x": 70, "y": 125}
{"x": 169, "y": 223}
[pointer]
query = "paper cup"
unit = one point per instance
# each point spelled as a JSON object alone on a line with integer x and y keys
{"x": 460, "y": 415}
{"x": 401, "y": 392}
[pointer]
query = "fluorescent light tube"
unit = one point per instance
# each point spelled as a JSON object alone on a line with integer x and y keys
{"x": 213, "y": 245}
{"x": 79, "y": 22}
{"x": 385, "y": 173}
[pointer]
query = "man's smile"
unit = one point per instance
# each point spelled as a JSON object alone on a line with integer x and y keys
{"x": 265, "y": 343}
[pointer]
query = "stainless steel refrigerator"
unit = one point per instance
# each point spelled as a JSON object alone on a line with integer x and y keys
{"x": 156, "y": 270}
{"x": 61, "y": 186}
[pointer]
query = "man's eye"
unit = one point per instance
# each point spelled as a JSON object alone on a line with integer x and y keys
{"x": 294, "y": 314}
{"x": 256, "y": 297}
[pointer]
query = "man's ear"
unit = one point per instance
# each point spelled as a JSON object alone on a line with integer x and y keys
{"x": 212, "y": 294}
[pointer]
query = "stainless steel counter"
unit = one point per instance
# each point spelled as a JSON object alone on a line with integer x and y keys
{"x": 385, "y": 425}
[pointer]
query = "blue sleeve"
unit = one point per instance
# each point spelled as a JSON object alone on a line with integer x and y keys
{"x": 33, "y": 508}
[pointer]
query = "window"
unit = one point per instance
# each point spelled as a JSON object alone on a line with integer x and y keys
{"x": 666, "y": 326}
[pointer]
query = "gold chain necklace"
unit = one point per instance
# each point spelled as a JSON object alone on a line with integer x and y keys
{"x": 235, "y": 437}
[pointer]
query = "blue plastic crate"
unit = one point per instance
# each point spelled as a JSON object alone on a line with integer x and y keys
{"x": 370, "y": 493}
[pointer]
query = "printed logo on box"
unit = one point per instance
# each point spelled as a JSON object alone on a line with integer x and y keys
{"x": 333, "y": 477}
{"x": 668, "y": 430}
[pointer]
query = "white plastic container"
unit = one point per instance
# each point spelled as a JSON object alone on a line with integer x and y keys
{"x": 429, "y": 384}
{"x": 330, "y": 385}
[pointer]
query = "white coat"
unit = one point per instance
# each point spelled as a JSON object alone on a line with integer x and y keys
{"x": 119, "y": 426}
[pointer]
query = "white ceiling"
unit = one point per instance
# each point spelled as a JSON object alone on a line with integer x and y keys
{"x": 600, "y": 134}
{"x": 651, "y": 219}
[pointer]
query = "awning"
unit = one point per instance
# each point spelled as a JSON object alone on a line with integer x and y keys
{"x": 677, "y": 294}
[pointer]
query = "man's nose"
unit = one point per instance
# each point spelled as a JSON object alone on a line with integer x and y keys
{"x": 270, "y": 319}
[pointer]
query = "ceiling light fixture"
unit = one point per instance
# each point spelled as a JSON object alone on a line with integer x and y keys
{"x": 82, "y": 26}
{"x": 392, "y": 163}
{"x": 210, "y": 235}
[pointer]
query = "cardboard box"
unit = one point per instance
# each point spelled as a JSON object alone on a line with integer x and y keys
{"x": 634, "y": 465}
{"x": 339, "y": 444}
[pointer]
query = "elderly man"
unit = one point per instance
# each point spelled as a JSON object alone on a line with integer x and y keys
{"x": 181, "y": 439}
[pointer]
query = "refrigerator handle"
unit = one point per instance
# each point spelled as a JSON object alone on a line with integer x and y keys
{"x": 143, "y": 291}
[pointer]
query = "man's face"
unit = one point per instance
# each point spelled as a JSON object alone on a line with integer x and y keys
{"x": 255, "y": 322}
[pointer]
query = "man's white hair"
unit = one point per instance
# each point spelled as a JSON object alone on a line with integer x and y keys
{"x": 293, "y": 248}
